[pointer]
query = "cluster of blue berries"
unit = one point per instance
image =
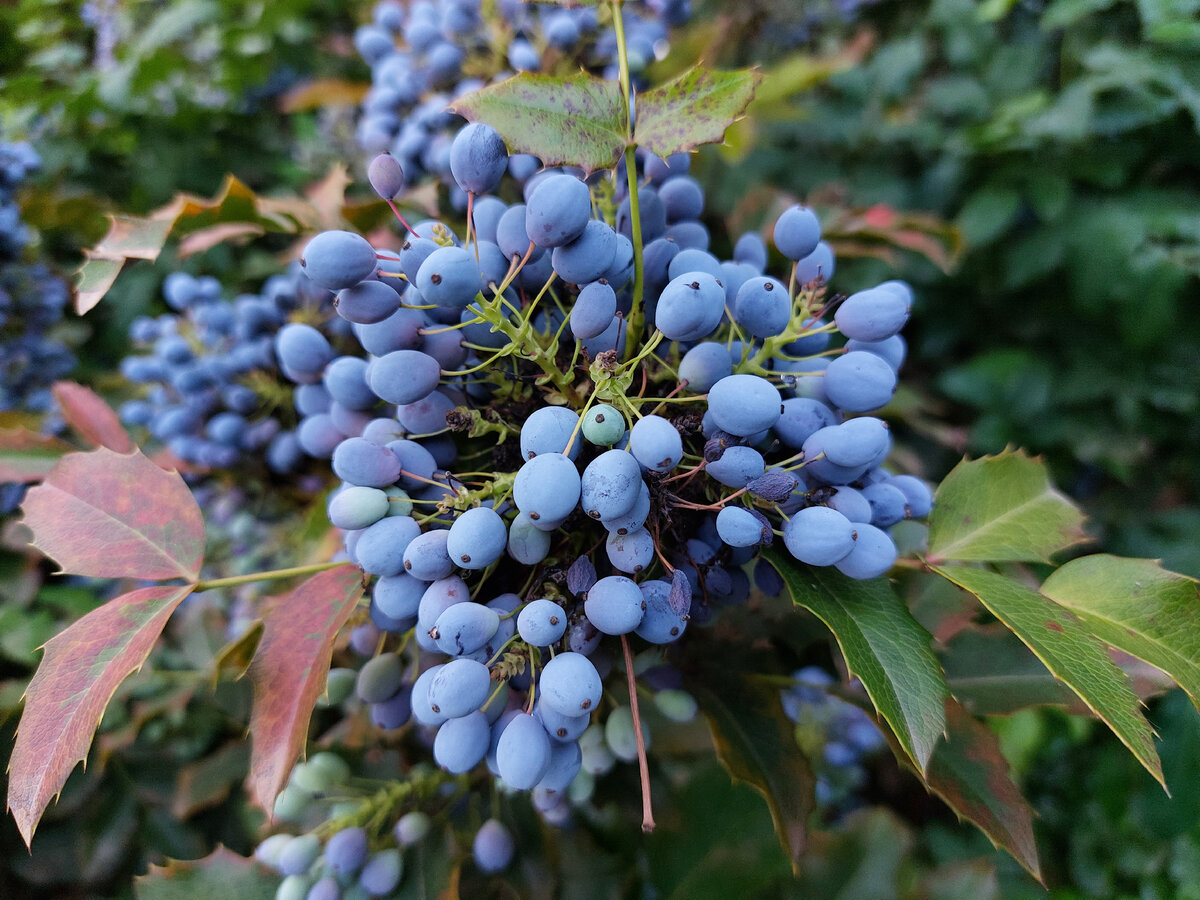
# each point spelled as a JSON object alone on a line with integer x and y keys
{"x": 837, "y": 736}
{"x": 425, "y": 54}
{"x": 680, "y": 423}
{"x": 32, "y": 300}
{"x": 207, "y": 376}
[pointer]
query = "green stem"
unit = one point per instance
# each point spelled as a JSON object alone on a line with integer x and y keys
{"x": 635, "y": 317}
{"x": 266, "y": 576}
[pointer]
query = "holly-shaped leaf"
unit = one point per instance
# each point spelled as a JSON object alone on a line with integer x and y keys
{"x": 756, "y": 744}
{"x": 27, "y": 456}
{"x": 1069, "y": 651}
{"x": 234, "y": 211}
{"x": 696, "y": 108}
{"x": 1137, "y": 606}
{"x": 883, "y": 645}
{"x": 116, "y": 515}
{"x": 970, "y": 773}
{"x": 990, "y": 672}
{"x": 289, "y": 671}
{"x": 577, "y": 121}
{"x": 80, "y": 671}
{"x": 221, "y": 875}
{"x": 1001, "y": 509}
{"x": 85, "y": 411}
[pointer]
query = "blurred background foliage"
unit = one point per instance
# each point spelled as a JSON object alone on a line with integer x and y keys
{"x": 1060, "y": 138}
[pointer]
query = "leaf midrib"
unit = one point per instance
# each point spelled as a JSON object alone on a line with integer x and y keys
{"x": 141, "y": 537}
{"x": 944, "y": 553}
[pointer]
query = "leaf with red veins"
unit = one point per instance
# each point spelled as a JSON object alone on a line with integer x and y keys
{"x": 116, "y": 515}
{"x": 81, "y": 670}
{"x": 289, "y": 671}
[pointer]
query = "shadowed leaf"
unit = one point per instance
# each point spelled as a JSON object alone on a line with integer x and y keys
{"x": 1001, "y": 509}
{"x": 87, "y": 413}
{"x": 756, "y": 744}
{"x": 289, "y": 672}
{"x": 115, "y": 515}
{"x": 1070, "y": 652}
{"x": 210, "y": 779}
{"x": 970, "y": 773}
{"x": 1138, "y": 607}
{"x": 990, "y": 672}
{"x": 80, "y": 671}
{"x": 28, "y": 456}
{"x": 694, "y": 109}
{"x": 883, "y": 645}
{"x": 577, "y": 121}
{"x": 237, "y": 655}
{"x": 222, "y": 875}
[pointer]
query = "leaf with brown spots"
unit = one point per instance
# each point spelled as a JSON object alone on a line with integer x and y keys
{"x": 80, "y": 671}
{"x": 27, "y": 456}
{"x": 576, "y": 121}
{"x": 1137, "y": 606}
{"x": 1070, "y": 651}
{"x": 969, "y": 772}
{"x": 87, "y": 413}
{"x": 289, "y": 671}
{"x": 1001, "y": 508}
{"x": 696, "y": 108}
{"x": 116, "y": 515}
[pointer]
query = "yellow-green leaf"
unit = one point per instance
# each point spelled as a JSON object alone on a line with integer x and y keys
{"x": 1070, "y": 652}
{"x": 1001, "y": 509}
{"x": 577, "y": 121}
{"x": 1137, "y": 606}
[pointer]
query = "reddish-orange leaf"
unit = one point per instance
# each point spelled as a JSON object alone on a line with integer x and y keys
{"x": 87, "y": 413}
{"x": 970, "y": 773}
{"x": 28, "y": 456}
{"x": 289, "y": 672}
{"x": 80, "y": 671}
{"x": 116, "y": 515}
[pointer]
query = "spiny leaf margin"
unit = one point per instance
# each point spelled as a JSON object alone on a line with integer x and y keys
{"x": 1001, "y": 508}
{"x": 289, "y": 672}
{"x": 695, "y": 108}
{"x": 1071, "y": 652}
{"x": 80, "y": 671}
{"x": 883, "y": 645}
{"x": 578, "y": 120}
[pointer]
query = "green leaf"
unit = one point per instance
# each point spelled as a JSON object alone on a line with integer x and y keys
{"x": 81, "y": 670}
{"x": 992, "y": 673}
{"x": 577, "y": 121}
{"x": 431, "y": 869}
{"x": 755, "y": 743}
{"x": 987, "y": 214}
{"x": 1070, "y": 652}
{"x": 969, "y": 772}
{"x": 696, "y": 108}
{"x": 219, "y": 876}
{"x": 1137, "y": 606}
{"x": 883, "y": 645}
{"x": 1001, "y": 509}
